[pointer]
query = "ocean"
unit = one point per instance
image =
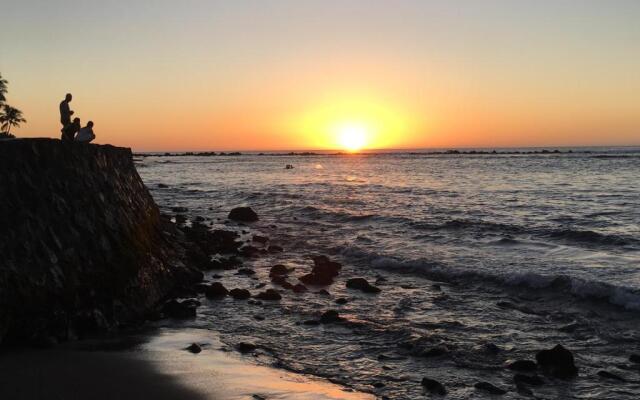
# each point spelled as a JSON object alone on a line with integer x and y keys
{"x": 482, "y": 258}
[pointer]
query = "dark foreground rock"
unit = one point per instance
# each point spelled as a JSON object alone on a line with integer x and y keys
{"x": 557, "y": 362}
{"x": 362, "y": 285}
{"x": 243, "y": 214}
{"x": 434, "y": 386}
{"x": 269, "y": 294}
{"x": 489, "y": 388}
{"x": 323, "y": 272}
{"x": 84, "y": 247}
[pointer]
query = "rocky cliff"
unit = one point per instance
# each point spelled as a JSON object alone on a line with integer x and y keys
{"x": 82, "y": 244}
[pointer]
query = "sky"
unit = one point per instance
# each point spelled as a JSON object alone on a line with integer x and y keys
{"x": 297, "y": 74}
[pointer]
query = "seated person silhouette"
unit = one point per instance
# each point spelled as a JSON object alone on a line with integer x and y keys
{"x": 69, "y": 131}
{"x": 85, "y": 135}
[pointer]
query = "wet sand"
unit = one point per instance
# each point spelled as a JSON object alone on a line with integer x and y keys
{"x": 157, "y": 368}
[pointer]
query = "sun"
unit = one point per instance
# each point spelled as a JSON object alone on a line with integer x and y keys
{"x": 352, "y": 136}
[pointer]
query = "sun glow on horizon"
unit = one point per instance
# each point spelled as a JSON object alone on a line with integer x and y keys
{"x": 352, "y": 136}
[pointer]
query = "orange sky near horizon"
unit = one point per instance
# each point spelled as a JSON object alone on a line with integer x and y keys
{"x": 218, "y": 76}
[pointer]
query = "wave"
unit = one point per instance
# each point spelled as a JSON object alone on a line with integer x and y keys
{"x": 625, "y": 297}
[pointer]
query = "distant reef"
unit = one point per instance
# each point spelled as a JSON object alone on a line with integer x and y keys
{"x": 83, "y": 246}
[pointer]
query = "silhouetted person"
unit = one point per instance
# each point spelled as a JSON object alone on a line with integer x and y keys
{"x": 65, "y": 112}
{"x": 85, "y": 134}
{"x": 69, "y": 131}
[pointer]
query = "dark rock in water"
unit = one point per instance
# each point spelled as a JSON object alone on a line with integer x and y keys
{"x": 258, "y": 397}
{"x": 323, "y": 292}
{"x": 194, "y": 348}
{"x": 434, "y": 352}
{"x": 299, "y": 288}
{"x": 522, "y": 365}
{"x": 531, "y": 380}
{"x": 489, "y": 388}
{"x": 162, "y": 186}
{"x": 179, "y": 310}
{"x": 245, "y": 271}
{"x": 245, "y": 347}
{"x": 491, "y": 348}
{"x": 287, "y": 285}
{"x": 279, "y": 279}
{"x": 278, "y": 270}
{"x": 311, "y": 322}
{"x": 216, "y": 290}
{"x": 199, "y": 218}
{"x": 330, "y": 316}
{"x": 269, "y": 294}
{"x": 323, "y": 272}
{"x": 434, "y": 386}
{"x": 362, "y": 285}
{"x": 260, "y": 239}
{"x": 250, "y": 251}
{"x": 258, "y": 317}
{"x": 610, "y": 375}
{"x": 260, "y": 285}
{"x": 378, "y": 385}
{"x": 557, "y": 362}
{"x": 243, "y": 214}
{"x": 318, "y": 280}
{"x": 179, "y": 209}
{"x": 635, "y": 358}
{"x": 240, "y": 294}
{"x": 436, "y": 287}
{"x": 275, "y": 249}
{"x": 341, "y": 300}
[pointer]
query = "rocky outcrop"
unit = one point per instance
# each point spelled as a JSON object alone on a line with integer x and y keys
{"x": 83, "y": 245}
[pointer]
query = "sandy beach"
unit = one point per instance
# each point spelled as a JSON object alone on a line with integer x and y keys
{"x": 153, "y": 367}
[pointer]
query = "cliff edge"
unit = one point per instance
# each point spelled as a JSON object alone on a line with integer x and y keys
{"x": 83, "y": 246}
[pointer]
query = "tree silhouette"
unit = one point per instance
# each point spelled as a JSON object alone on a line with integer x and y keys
{"x": 3, "y": 89}
{"x": 10, "y": 117}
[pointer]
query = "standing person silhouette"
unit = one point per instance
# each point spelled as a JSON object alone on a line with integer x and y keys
{"x": 65, "y": 112}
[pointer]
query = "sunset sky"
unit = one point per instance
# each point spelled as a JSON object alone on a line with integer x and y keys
{"x": 296, "y": 74}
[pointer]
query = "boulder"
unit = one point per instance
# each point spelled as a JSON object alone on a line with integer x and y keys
{"x": 243, "y": 214}
{"x": 323, "y": 272}
{"x": 522, "y": 365}
{"x": 240, "y": 294}
{"x": 531, "y": 380}
{"x": 246, "y": 347}
{"x": 489, "y": 388}
{"x": 557, "y": 362}
{"x": 362, "y": 285}
{"x": 216, "y": 290}
{"x": 341, "y": 301}
{"x": 179, "y": 310}
{"x": 269, "y": 294}
{"x": 329, "y": 317}
{"x": 246, "y": 271}
{"x": 434, "y": 386}
{"x": 194, "y": 348}
{"x": 260, "y": 239}
{"x": 299, "y": 288}
{"x": 278, "y": 270}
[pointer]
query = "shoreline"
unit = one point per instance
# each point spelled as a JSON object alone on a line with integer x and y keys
{"x": 154, "y": 365}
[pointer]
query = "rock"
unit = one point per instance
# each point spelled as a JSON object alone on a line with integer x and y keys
{"x": 194, "y": 348}
{"x": 260, "y": 239}
{"x": 179, "y": 310}
{"x": 341, "y": 300}
{"x": 323, "y": 292}
{"x": 522, "y": 365}
{"x": 275, "y": 249}
{"x": 246, "y": 271}
{"x": 489, "y": 388}
{"x": 531, "y": 380}
{"x": 610, "y": 375}
{"x": 258, "y": 317}
{"x": 323, "y": 272}
{"x": 557, "y": 362}
{"x": 245, "y": 347}
{"x": 216, "y": 290}
{"x": 434, "y": 386}
{"x": 329, "y": 317}
{"x": 434, "y": 352}
{"x": 179, "y": 209}
{"x": 162, "y": 186}
{"x": 635, "y": 358}
{"x": 250, "y": 251}
{"x": 378, "y": 385}
{"x": 311, "y": 322}
{"x": 278, "y": 270}
{"x": 362, "y": 285}
{"x": 299, "y": 288}
{"x": 269, "y": 294}
{"x": 243, "y": 214}
{"x": 240, "y": 294}
{"x": 318, "y": 280}
{"x": 491, "y": 348}
{"x": 260, "y": 285}
{"x": 279, "y": 279}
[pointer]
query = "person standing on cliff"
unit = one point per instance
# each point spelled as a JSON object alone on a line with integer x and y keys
{"x": 65, "y": 112}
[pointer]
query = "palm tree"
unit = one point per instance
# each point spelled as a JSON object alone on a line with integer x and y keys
{"x": 3, "y": 89}
{"x": 10, "y": 117}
